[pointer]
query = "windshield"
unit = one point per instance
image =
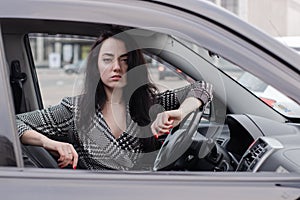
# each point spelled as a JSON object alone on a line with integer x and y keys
{"x": 271, "y": 96}
{"x": 265, "y": 92}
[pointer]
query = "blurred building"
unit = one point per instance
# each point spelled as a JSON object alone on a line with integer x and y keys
{"x": 68, "y": 49}
{"x": 276, "y": 17}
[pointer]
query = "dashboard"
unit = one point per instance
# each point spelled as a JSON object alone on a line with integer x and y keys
{"x": 260, "y": 144}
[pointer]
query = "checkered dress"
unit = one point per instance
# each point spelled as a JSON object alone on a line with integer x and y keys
{"x": 96, "y": 146}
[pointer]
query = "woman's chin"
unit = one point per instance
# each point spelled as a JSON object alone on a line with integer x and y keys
{"x": 118, "y": 85}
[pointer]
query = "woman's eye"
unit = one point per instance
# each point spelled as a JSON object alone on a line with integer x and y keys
{"x": 107, "y": 60}
{"x": 124, "y": 60}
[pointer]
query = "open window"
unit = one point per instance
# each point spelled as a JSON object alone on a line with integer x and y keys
{"x": 59, "y": 61}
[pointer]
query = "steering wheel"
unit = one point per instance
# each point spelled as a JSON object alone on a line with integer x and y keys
{"x": 176, "y": 143}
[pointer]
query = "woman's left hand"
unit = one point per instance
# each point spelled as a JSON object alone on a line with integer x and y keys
{"x": 166, "y": 121}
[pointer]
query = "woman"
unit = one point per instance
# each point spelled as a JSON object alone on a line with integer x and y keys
{"x": 116, "y": 121}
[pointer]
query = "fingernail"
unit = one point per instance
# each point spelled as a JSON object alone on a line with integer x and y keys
{"x": 74, "y": 167}
{"x": 156, "y": 136}
{"x": 168, "y": 132}
{"x": 171, "y": 126}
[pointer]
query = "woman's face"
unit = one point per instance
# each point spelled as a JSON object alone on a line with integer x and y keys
{"x": 112, "y": 63}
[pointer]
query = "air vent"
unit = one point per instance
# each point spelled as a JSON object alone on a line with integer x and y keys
{"x": 256, "y": 153}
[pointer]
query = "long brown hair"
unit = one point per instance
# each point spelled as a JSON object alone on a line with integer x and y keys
{"x": 138, "y": 93}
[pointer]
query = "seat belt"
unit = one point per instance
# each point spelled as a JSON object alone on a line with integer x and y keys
{"x": 17, "y": 80}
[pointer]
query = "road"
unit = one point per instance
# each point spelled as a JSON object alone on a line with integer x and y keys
{"x": 56, "y": 84}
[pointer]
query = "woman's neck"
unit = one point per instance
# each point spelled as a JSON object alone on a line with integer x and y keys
{"x": 114, "y": 96}
{"x": 114, "y": 103}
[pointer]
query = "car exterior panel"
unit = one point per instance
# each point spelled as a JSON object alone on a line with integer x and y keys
{"x": 220, "y": 32}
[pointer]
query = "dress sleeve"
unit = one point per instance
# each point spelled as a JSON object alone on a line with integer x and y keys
{"x": 53, "y": 122}
{"x": 171, "y": 99}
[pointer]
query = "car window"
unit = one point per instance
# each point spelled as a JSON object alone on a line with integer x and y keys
{"x": 178, "y": 63}
{"x": 267, "y": 93}
{"x": 59, "y": 61}
{"x": 270, "y": 95}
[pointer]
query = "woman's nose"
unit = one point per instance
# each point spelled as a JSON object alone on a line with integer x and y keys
{"x": 116, "y": 66}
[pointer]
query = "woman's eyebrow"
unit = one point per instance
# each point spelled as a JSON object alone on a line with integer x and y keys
{"x": 112, "y": 55}
{"x": 123, "y": 55}
{"x": 108, "y": 54}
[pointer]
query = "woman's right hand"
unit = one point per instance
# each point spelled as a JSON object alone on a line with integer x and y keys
{"x": 67, "y": 153}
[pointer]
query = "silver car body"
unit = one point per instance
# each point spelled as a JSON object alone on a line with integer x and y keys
{"x": 205, "y": 24}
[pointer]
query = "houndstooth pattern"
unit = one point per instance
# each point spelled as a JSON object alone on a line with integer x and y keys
{"x": 96, "y": 146}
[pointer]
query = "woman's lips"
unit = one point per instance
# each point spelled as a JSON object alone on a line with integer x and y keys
{"x": 116, "y": 77}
